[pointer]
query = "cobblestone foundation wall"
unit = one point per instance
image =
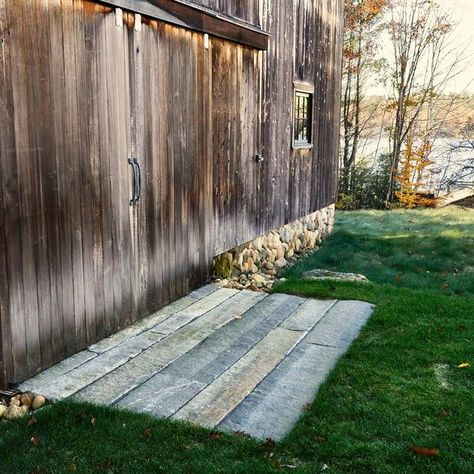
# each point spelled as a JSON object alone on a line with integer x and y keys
{"x": 257, "y": 264}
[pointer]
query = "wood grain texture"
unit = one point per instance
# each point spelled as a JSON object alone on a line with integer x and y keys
{"x": 80, "y": 95}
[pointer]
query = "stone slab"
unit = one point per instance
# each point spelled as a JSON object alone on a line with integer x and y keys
{"x": 74, "y": 380}
{"x": 193, "y": 311}
{"x": 238, "y": 360}
{"x": 285, "y": 392}
{"x": 341, "y": 324}
{"x": 307, "y": 315}
{"x": 48, "y": 376}
{"x": 164, "y": 393}
{"x": 321, "y": 274}
{"x": 142, "y": 325}
{"x": 117, "y": 383}
{"x": 212, "y": 405}
{"x": 203, "y": 291}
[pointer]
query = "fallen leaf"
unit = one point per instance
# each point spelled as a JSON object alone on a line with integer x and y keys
{"x": 320, "y": 439}
{"x": 424, "y": 451}
{"x": 464, "y": 365}
{"x": 269, "y": 443}
{"x": 445, "y": 286}
{"x": 104, "y": 465}
{"x": 444, "y": 414}
{"x": 36, "y": 440}
{"x": 146, "y": 433}
{"x": 398, "y": 278}
{"x": 32, "y": 421}
{"x": 93, "y": 421}
{"x": 71, "y": 467}
{"x": 215, "y": 435}
{"x": 38, "y": 470}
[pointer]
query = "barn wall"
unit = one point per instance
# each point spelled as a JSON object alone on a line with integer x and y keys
{"x": 306, "y": 46}
{"x": 80, "y": 95}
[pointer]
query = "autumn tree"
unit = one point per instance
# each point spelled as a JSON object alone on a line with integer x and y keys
{"x": 423, "y": 63}
{"x": 362, "y": 19}
{"x": 414, "y": 162}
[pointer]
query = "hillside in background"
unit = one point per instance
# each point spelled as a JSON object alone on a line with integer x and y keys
{"x": 452, "y": 115}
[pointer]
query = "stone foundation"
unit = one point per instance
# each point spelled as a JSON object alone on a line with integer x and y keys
{"x": 257, "y": 264}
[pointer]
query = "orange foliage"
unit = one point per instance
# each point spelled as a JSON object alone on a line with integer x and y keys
{"x": 365, "y": 12}
{"x": 414, "y": 162}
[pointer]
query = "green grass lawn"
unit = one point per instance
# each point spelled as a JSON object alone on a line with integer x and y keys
{"x": 428, "y": 249}
{"x": 397, "y": 388}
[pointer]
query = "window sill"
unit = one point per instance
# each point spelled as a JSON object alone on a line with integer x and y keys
{"x": 308, "y": 146}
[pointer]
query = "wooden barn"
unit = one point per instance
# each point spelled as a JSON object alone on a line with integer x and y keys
{"x": 141, "y": 138}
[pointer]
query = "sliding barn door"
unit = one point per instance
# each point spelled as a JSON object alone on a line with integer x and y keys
{"x": 171, "y": 99}
{"x": 67, "y": 263}
{"x": 127, "y": 163}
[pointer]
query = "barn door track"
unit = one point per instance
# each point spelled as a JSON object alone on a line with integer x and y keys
{"x": 225, "y": 359}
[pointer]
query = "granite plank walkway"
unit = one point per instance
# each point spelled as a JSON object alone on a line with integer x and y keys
{"x": 220, "y": 358}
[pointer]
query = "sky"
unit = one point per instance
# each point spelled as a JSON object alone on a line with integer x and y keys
{"x": 462, "y": 14}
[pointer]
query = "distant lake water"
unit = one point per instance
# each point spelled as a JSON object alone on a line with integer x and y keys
{"x": 447, "y": 166}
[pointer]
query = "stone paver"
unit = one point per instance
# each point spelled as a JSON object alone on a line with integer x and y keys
{"x": 235, "y": 360}
{"x": 341, "y": 325}
{"x": 210, "y": 406}
{"x": 285, "y": 392}
{"x": 164, "y": 394}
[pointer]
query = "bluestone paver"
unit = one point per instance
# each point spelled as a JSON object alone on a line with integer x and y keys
{"x": 117, "y": 383}
{"x": 48, "y": 376}
{"x": 142, "y": 325}
{"x": 284, "y": 392}
{"x": 342, "y": 324}
{"x": 308, "y": 314}
{"x": 163, "y": 394}
{"x": 211, "y": 405}
{"x": 235, "y": 360}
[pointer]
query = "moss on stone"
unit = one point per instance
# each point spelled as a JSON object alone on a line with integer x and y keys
{"x": 223, "y": 265}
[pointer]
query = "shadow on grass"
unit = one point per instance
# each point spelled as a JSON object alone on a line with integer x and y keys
{"x": 435, "y": 263}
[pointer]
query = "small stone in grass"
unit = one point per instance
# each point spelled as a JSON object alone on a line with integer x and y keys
{"x": 27, "y": 399}
{"x": 14, "y": 412}
{"x": 38, "y": 402}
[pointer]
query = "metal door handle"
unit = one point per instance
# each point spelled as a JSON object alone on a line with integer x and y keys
{"x": 138, "y": 180}
{"x": 131, "y": 162}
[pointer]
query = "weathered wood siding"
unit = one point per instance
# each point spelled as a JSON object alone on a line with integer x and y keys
{"x": 80, "y": 95}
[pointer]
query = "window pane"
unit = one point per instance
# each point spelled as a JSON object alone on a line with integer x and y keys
{"x": 302, "y": 118}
